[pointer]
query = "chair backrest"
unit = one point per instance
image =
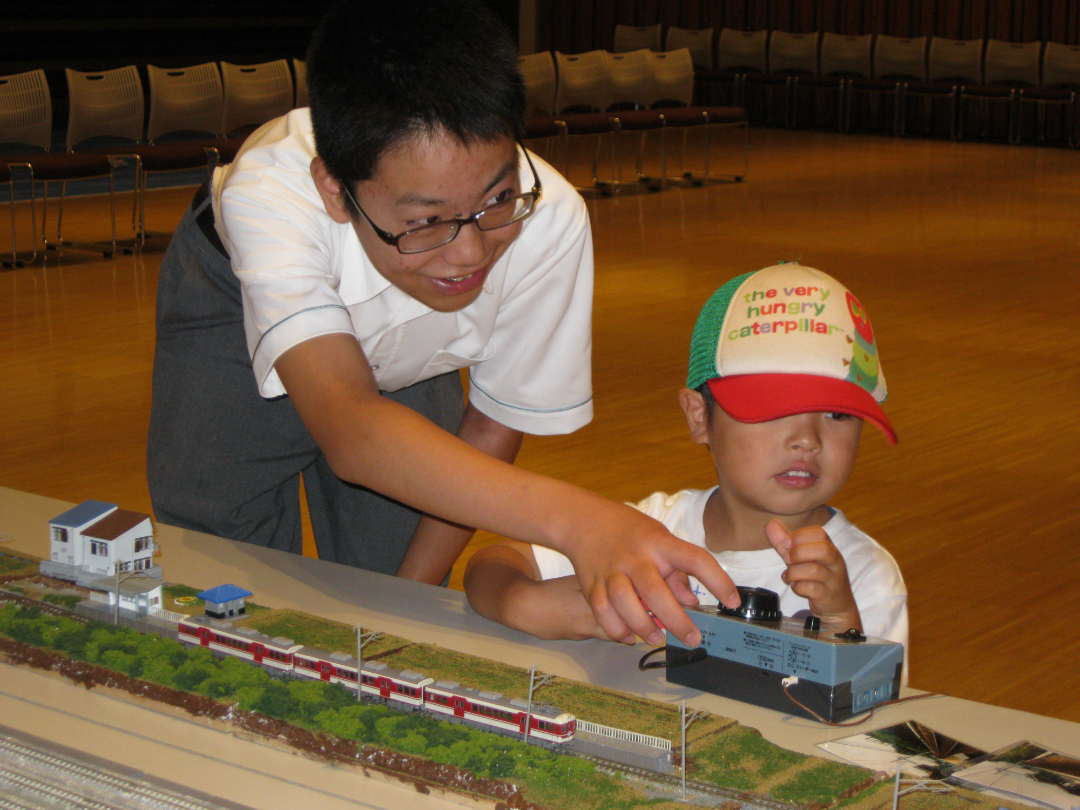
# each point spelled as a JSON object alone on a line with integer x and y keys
{"x": 699, "y": 41}
{"x": 1012, "y": 62}
{"x": 955, "y": 59}
{"x": 793, "y": 53}
{"x": 845, "y": 55}
{"x": 742, "y": 49}
{"x": 900, "y": 57}
{"x": 673, "y": 76}
{"x": 635, "y": 37}
{"x": 255, "y": 93}
{"x": 582, "y": 81}
{"x": 26, "y": 109}
{"x": 538, "y": 72}
{"x": 630, "y": 77}
{"x": 1060, "y": 65}
{"x": 300, "y": 76}
{"x": 105, "y": 104}
{"x": 187, "y": 99}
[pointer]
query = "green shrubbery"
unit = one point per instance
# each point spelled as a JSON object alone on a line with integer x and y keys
{"x": 311, "y": 704}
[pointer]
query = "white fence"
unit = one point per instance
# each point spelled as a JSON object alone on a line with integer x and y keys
{"x": 168, "y": 615}
{"x": 622, "y": 734}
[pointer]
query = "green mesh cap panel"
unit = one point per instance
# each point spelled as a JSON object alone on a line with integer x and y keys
{"x": 707, "y": 333}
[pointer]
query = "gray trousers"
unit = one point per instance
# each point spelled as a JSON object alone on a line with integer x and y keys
{"x": 223, "y": 460}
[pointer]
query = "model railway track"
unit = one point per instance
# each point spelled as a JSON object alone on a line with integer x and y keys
{"x": 44, "y": 607}
{"x": 673, "y": 784}
{"x": 33, "y": 778}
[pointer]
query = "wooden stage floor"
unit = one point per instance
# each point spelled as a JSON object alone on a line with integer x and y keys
{"x": 963, "y": 254}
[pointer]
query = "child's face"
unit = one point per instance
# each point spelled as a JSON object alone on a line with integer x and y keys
{"x": 423, "y": 181}
{"x": 783, "y": 468}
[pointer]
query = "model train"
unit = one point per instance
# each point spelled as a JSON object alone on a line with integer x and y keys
{"x": 375, "y": 679}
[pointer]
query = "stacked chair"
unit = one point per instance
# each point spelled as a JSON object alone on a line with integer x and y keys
{"x": 1008, "y": 68}
{"x": 952, "y": 64}
{"x": 791, "y": 57}
{"x": 26, "y": 121}
{"x": 842, "y": 60}
{"x": 604, "y": 94}
{"x": 195, "y": 120}
{"x": 1060, "y": 81}
{"x": 634, "y": 38}
{"x": 897, "y": 61}
{"x": 738, "y": 55}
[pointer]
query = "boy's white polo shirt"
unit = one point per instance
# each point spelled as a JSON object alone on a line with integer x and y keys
{"x": 526, "y": 338}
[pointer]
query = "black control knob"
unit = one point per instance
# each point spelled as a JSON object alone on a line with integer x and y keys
{"x": 757, "y": 603}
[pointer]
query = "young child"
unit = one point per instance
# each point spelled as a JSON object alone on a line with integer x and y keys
{"x": 783, "y": 371}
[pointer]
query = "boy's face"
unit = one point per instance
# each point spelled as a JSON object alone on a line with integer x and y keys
{"x": 421, "y": 181}
{"x": 782, "y": 468}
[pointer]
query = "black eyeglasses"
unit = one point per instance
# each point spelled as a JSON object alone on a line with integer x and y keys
{"x": 428, "y": 237}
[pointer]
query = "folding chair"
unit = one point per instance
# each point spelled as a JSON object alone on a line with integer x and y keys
{"x": 673, "y": 85}
{"x": 791, "y": 57}
{"x": 897, "y": 61}
{"x": 1059, "y": 86}
{"x": 631, "y": 90}
{"x": 633, "y": 38}
{"x": 26, "y": 120}
{"x": 842, "y": 60}
{"x": 538, "y": 73}
{"x": 300, "y": 77}
{"x": 582, "y": 96}
{"x": 739, "y": 53}
{"x": 951, "y": 64}
{"x": 1008, "y": 67}
{"x": 255, "y": 94}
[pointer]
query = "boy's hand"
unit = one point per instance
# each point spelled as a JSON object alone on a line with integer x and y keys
{"x": 816, "y": 571}
{"x": 630, "y": 565}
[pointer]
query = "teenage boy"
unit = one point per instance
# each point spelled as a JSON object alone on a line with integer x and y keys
{"x": 316, "y": 304}
{"x": 783, "y": 371}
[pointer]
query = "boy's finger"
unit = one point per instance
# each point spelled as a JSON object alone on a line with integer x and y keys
{"x": 779, "y": 538}
{"x": 608, "y": 617}
{"x": 699, "y": 563}
{"x": 665, "y": 611}
{"x": 679, "y": 583}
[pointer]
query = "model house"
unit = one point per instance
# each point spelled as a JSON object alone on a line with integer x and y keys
{"x": 96, "y": 539}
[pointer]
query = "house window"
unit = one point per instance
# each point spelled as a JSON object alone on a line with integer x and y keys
{"x": 59, "y": 534}
{"x": 142, "y": 543}
{"x": 99, "y": 549}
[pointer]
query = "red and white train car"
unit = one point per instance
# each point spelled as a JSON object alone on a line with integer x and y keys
{"x": 403, "y": 688}
{"x": 272, "y": 653}
{"x": 492, "y": 710}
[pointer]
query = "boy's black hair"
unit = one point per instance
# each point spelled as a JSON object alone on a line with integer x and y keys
{"x": 710, "y": 401}
{"x": 382, "y": 72}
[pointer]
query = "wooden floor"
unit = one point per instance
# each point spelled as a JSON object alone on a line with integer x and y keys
{"x": 965, "y": 255}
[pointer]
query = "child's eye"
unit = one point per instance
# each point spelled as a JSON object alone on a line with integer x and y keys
{"x": 838, "y": 416}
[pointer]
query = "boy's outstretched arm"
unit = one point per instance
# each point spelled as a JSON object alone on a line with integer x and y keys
{"x": 816, "y": 571}
{"x": 618, "y": 552}
{"x": 504, "y": 585}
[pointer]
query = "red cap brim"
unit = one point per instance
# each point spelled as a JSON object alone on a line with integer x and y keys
{"x": 762, "y": 397}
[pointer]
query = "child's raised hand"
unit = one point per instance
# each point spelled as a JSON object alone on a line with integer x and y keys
{"x": 816, "y": 571}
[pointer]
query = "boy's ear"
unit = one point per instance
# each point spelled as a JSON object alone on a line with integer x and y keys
{"x": 329, "y": 188}
{"x": 697, "y": 416}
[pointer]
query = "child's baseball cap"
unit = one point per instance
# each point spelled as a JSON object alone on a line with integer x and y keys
{"x": 785, "y": 340}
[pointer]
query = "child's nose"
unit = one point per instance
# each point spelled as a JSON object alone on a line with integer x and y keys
{"x": 805, "y": 433}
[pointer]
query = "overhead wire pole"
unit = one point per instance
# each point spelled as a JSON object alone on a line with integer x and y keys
{"x": 686, "y": 721}
{"x": 361, "y": 639}
{"x": 544, "y": 680}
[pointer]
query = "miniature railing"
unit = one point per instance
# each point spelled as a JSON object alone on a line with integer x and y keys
{"x": 622, "y": 734}
{"x": 167, "y": 615}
